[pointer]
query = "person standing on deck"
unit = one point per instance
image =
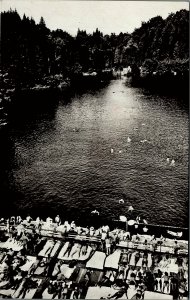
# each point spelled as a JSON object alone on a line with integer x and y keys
{"x": 8, "y": 226}
{"x": 108, "y": 245}
{"x": 130, "y": 212}
{"x": 28, "y": 219}
{"x": 57, "y": 220}
{"x": 176, "y": 248}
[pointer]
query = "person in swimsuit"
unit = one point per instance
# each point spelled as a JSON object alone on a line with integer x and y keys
{"x": 120, "y": 293}
{"x": 182, "y": 289}
{"x": 137, "y": 256}
{"x": 166, "y": 282}
{"x": 76, "y": 293}
{"x": 138, "y": 294}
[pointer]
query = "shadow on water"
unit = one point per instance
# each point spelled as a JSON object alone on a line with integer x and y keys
{"x": 26, "y": 114}
{"x": 30, "y": 105}
{"x": 79, "y": 89}
{"x": 31, "y": 114}
{"x": 7, "y": 190}
{"x": 174, "y": 93}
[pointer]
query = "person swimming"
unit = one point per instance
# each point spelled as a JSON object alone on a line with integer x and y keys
{"x": 95, "y": 212}
{"x": 130, "y": 208}
{"x": 143, "y": 141}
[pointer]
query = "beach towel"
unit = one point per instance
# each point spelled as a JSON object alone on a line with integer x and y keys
{"x": 63, "y": 250}
{"x": 75, "y": 251}
{"x": 66, "y": 271}
{"x": 97, "y": 261}
{"x": 46, "y": 295}
{"x": 73, "y": 254}
{"x": 47, "y": 248}
{"x": 153, "y": 295}
{"x": 131, "y": 291}
{"x": 30, "y": 261}
{"x": 132, "y": 260}
{"x": 13, "y": 244}
{"x": 41, "y": 268}
{"x": 140, "y": 261}
{"x": 7, "y": 292}
{"x": 97, "y": 292}
{"x": 84, "y": 257}
{"x": 55, "y": 249}
{"x": 112, "y": 261}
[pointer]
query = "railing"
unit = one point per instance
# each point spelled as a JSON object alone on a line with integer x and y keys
{"x": 150, "y": 247}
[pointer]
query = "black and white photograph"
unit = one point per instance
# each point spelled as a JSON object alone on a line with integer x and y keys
{"x": 94, "y": 149}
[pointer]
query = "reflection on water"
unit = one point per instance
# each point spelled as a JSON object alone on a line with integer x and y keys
{"x": 60, "y": 160}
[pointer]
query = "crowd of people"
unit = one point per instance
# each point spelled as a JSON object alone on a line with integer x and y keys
{"x": 51, "y": 275}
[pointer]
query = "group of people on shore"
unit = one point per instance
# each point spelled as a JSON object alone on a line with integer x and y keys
{"x": 29, "y": 233}
{"x": 18, "y": 227}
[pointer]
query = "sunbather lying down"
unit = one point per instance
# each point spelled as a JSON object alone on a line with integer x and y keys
{"x": 42, "y": 266}
{"x": 66, "y": 270}
{"x": 119, "y": 294}
{"x": 27, "y": 284}
{"x": 76, "y": 251}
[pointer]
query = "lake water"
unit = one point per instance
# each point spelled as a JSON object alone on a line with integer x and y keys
{"x": 59, "y": 160}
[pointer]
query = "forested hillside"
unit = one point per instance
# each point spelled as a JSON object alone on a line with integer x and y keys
{"x": 31, "y": 54}
{"x": 160, "y": 46}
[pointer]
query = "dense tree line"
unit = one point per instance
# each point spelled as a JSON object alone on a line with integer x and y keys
{"x": 159, "y": 45}
{"x": 32, "y": 54}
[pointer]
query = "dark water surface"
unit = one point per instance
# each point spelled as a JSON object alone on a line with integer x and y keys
{"x": 59, "y": 161}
